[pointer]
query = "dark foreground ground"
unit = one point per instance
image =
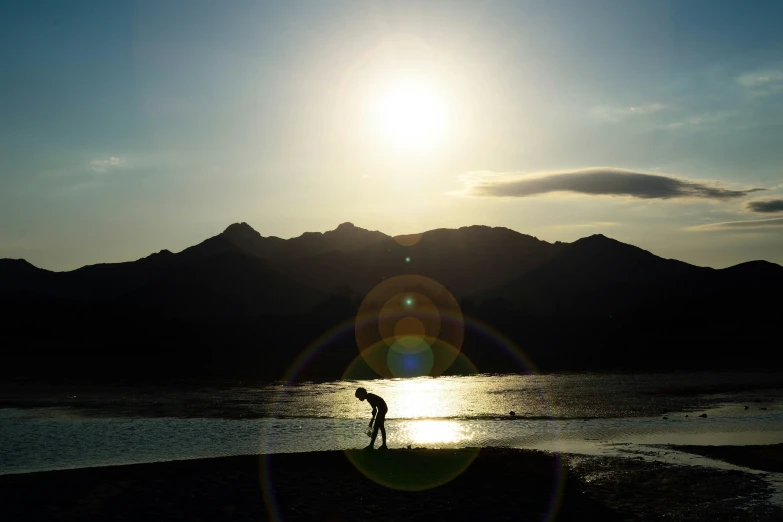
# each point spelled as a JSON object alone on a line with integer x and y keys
{"x": 499, "y": 484}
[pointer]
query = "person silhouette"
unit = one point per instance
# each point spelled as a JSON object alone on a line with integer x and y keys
{"x": 379, "y": 410}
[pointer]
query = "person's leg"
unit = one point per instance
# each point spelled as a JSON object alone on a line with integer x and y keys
{"x": 374, "y": 433}
{"x": 381, "y": 424}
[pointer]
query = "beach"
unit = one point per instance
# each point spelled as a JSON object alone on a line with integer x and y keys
{"x": 488, "y": 484}
{"x": 613, "y": 447}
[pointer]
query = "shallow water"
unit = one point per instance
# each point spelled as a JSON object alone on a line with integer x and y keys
{"x": 471, "y": 397}
{"x": 592, "y": 414}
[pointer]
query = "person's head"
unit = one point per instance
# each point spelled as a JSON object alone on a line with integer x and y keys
{"x": 361, "y": 394}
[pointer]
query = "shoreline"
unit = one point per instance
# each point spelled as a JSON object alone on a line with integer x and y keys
{"x": 488, "y": 483}
{"x": 240, "y": 400}
{"x": 767, "y": 458}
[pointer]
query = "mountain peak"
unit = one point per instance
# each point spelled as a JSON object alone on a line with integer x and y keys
{"x": 758, "y": 267}
{"x": 607, "y": 249}
{"x": 163, "y": 253}
{"x": 601, "y": 241}
{"x": 349, "y": 230}
{"x": 18, "y": 264}
{"x": 239, "y": 228}
{"x": 20, "y": 261}
{"x": 241, "y": 234}
{"x": 17, "y": 267}
{"x": 345, "y": 237}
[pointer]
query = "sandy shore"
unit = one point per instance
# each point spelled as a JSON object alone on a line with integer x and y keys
{"x": 764, "y": 458}
{"x": 639, "y": 490}
{"x": 500, "y": 484}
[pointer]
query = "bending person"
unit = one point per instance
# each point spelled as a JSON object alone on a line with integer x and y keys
{"x": 379, "y": 410}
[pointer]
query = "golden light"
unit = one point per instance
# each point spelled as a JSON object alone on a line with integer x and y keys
{"x": 412, "y": 114}
{"x": 419, "y": 397}
{"x": 438, "y": 431}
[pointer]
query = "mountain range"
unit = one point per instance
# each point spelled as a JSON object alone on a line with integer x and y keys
{"x": 240, "y": 302}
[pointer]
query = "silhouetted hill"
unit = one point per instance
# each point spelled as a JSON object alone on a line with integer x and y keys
{"x": 242, "y": 237}
{"x": 353, "y": 259}
{"x": 17, "y": 268}
{"x": 19, "y": 275}
{"x": 229, "y": 284}
{"x": 345, "y": 238}
{"x": 595, "y": 275}
{"x": 243, "y": 304}
{"x": 239, "y": 237}
{"x": 751, "y": 271}
{"x": 466, "y": 260}
{"x": 217, "y": 280}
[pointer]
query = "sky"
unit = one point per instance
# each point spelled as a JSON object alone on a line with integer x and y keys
{"x": 131, "y": 127}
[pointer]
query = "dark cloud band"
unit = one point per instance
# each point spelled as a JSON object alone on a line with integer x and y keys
{"x": 605, "y": 182}
{"x": 767, "y": 206}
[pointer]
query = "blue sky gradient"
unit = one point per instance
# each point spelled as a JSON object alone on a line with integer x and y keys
{"x": 129, "y": 127}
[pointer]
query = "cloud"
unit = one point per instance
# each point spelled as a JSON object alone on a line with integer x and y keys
{"x": 762, "y": 83}
{"x": 756, "y": 224}
{"x": 766, "y": 206}
{"x": 604, "y": 181}
{"x": 620, "y": 113}
{"x": 700, "y": 121}
{"x": 758, "y": 78}
{"x": 102, "y": 165}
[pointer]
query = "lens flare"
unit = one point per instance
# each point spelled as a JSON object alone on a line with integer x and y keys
{"x": 410, "y": 315}
{"x": 407, "y": 240}
{"x": 409, "y": 332}
{"x": 403, "y": 363}
{"x": 412, "y": 470}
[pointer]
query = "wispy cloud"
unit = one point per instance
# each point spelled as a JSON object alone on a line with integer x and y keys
{"x": 700, "y": 121}
{"x": 620, "y": 113}
{"x": 757, "y": 78}
{"x": 603, "y": 181}
{"x": 594, "y": 224}
{"x": 755, "y": 224}
{"x": 762, "y": 83}
{"x": 104, "y": 164}
{"x": 768, "y": 206}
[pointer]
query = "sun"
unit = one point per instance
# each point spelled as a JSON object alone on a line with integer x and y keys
{"x": 412, "y": 114}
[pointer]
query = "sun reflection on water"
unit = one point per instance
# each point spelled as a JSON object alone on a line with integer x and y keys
{"x": 416, "y": 398}
{"x": 436, "y": 432}
{"x": 420, "y": 398}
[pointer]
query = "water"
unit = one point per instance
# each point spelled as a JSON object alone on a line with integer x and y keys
{"x": 47, "y": 428}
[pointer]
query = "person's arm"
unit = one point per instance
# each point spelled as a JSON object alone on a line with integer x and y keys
{"x": 374, "y": 410}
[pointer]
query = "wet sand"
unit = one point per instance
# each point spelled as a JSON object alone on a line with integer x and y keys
{"x": 639, "y": 490}
{"x": 764, "y": 458}
{"x": 500, "y": 484}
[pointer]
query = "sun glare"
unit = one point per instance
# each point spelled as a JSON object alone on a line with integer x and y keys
{"x": 433, "y": 432}
{"x": 412, "y": 114}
